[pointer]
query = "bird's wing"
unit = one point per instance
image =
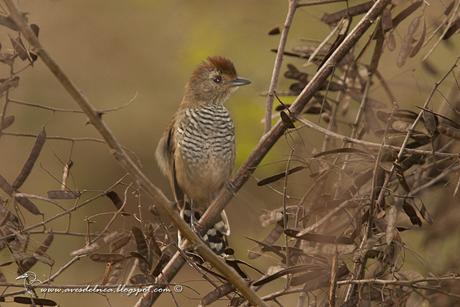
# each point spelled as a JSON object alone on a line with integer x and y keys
{"x": 165, "y": 159}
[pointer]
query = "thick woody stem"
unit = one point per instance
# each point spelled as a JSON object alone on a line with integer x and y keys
{"x": 162, "y": 203}
{"x": 277, "y": 65}
{"x": 270, "y": 138}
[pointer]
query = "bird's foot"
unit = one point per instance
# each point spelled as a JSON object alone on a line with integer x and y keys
{"x": 190, "y": 217}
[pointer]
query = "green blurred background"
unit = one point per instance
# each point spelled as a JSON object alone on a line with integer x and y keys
{"x": 115, "y": 49}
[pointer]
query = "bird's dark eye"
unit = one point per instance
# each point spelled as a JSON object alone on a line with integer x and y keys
{"x": 217, "y": 79}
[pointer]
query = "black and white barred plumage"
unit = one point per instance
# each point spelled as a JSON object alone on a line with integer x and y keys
{"x": 197, "y": 151}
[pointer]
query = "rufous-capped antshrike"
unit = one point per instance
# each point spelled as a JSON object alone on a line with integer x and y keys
{"x": 197, "y": 150}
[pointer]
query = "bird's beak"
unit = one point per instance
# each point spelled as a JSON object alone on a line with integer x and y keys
{"x": 240, "y": 82}
{"x": 22, "y": 276}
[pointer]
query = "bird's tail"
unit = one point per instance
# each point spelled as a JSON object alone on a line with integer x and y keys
{"x": 216, "y": 237}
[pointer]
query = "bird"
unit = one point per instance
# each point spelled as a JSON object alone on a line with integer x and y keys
{"x": 30, "y": 278}
{"x": 197, "y": 150}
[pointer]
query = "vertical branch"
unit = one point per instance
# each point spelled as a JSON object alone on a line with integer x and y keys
{"x": 277, "y": 66}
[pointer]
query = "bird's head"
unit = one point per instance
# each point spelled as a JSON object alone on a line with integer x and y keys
{"x": 27, "y": 275}
{"x": 213, "y": 81}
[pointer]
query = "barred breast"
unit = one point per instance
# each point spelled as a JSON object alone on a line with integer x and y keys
{"x": 205, "y": 139}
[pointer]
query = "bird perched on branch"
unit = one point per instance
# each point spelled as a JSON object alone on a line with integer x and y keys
{"x": 197, "y": 150}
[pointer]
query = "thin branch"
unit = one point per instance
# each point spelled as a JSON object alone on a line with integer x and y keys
{"x": 62, "y": 110}
{"x": 318, "y": 2}
{"x": 55, "y": 137}
{"x": 396, "y": 282}
{"x": 278, "y": 62}
{"x": 347, "y": 139}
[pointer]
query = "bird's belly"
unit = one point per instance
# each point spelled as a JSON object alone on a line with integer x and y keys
{"x": 205, "y": 174}
{"x": 205, "y": 152}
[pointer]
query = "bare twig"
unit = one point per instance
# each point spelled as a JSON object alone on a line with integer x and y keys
{"x": 318, "y": 2}
{"x": 278, "y": 62}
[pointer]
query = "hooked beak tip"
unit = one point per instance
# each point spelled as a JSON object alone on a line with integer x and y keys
{"x": 240, "y": 82}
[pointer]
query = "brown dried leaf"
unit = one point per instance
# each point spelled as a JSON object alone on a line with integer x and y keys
{"x": 274, "y": 31}
{"x": 106, "y": 257}
{"x": 452, "y": 30}
{"x": 319, "y": 238}
{"x": 391, "y": 218}
{"x": 264, "y": 247}
{"x": 411, "y": 213}
{"x": 35, "y": 28}
{"x": 340, "y": 151}
{"x": 141, "y": 279}
{"x": 390, "y": 41}
{"x": 361, "y": 180}
{"x": 164, "y": 258}
{"x": 416, "y": 48}
{"x": 143, "y": 262}
{"x": 41, "y": 250}
{"x": 154, "y": 248}
{"x": 287, "y": 121}
{"x": 409, "y": 161}
{"x": 142, "y": 249}
{"x": 291, "y": 270}
{"x": 6, "y": 84}
{"x": 348, "y": 12}
{"x": 408, "y": 41}
{"x": 406, "y": 12}
{"x": 116, "y": 200}
{"x": 408, "y": 115}
{"x": 423, "y": 211}
{"x": 282, "y": 107}
{"x": 449, "y": 131}
{"x": 271, "y": 238}
{"x": 28, "y": 205}
{"x": 7, "y": 121}
{"x": 430, "y": 121}
{"x": 60, "y": 194}
{"x": 428, "y": 66}
{"x": 387, "y": 22}
{"x": 115, "y": 271}
{"x": 119, "y": 242}
{"x": 8, "y": 22}
{"x": 294, "y": 73}
{"x": 6, "y": 263}
{"x": 26, "y": 264}
{"x": 279, "y": 176}
{"x": 86, "y": 249}
{"x": 20, "y": 49}
{"x": 301, "y": 279}
{"x": 23, "y": 201}
{"x": 30, "y": 162}
{"x": 33, "y": 301}
{"x": 402, "y": 180}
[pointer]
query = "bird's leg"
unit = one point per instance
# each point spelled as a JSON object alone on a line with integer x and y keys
{"x": 192, "y": 216}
